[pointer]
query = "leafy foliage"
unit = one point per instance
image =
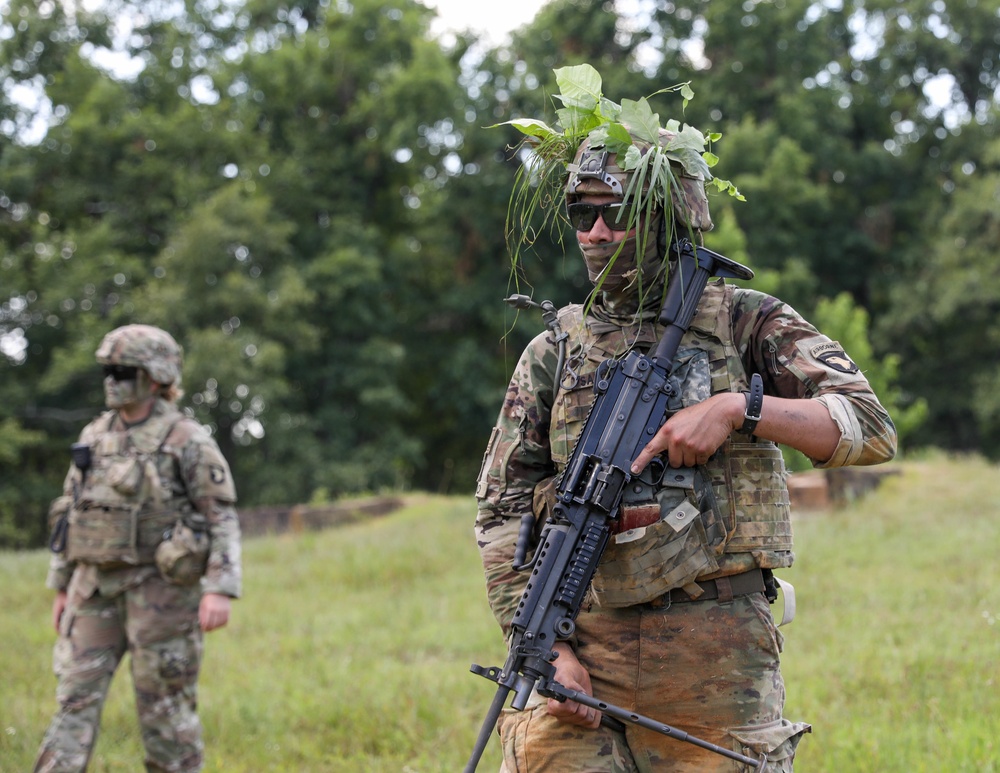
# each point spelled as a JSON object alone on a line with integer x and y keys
{"x": 630, "y": 130}
{"x": 308, "y": 195}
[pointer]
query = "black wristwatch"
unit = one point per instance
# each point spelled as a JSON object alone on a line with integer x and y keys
{"x": 755, "y": 401}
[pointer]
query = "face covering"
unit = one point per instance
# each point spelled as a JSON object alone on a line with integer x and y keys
{"x": 120, "y": 394}
{"x": 623, "y": 276}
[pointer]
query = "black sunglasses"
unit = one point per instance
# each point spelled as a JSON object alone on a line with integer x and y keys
{"x": 583, "y": 216}
{"x": 121, "y": 372}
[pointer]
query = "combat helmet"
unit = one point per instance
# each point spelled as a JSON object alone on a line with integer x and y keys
{"x": 143, "y": 346}
{"x": 595, "y": 163}
{"x": 655, "y": 167}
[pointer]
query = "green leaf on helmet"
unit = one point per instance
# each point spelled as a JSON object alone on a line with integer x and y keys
{"x": 687, "y": 93}
{"x": 692, "y": 162}
{"x": 687, "y": 148}
{"x": 641, "y": 120}
{"x": 616, "y": 138}
{"x": 579, "y": 86}
{"x": 577, "y": 121}
{"x": 689, "y": 138}
{"x": 633, "y": 159}
{"x": 530, "y": 127}
{"x": 611, "y": 111}
{"x": 725, "y": 186}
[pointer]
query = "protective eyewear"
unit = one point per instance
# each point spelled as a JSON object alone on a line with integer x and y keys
{"x": 121, "y": 372}
{"x": 583, "y": 215}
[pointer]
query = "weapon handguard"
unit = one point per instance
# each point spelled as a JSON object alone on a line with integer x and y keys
{"x": 631, "y": 405}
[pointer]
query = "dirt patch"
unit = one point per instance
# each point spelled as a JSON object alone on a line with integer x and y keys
{"x": 280, "y": 519}
{"x": 826, "y": 489}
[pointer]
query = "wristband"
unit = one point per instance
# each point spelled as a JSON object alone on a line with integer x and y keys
{"x": 755, "y": 401}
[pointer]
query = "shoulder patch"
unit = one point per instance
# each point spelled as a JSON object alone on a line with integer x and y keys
{"x": 832, "y": 354}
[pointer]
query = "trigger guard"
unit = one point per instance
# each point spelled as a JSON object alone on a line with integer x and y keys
{"x": 657, "y": 467}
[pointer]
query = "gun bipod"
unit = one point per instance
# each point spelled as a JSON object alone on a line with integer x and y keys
{"x": 553, "y": 689}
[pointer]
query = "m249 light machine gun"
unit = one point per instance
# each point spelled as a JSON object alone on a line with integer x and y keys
{"x": 631, "y": 405}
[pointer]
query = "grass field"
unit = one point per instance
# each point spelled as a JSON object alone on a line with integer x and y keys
{"x": 351, "y": 648}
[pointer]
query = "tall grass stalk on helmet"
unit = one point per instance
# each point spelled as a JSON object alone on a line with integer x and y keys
{"x": 666, "y": 168}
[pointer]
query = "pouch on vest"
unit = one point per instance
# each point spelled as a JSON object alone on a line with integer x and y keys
{"x": 776, "y": 740}
{"x": 120, "y": 516}
{"x": 125, "y": 476}
{"x": 182, "y": 556}
{"x": 642, "y": 564}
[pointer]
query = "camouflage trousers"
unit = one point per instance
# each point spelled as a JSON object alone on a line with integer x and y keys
{"x": 157, "y": 624}
{"x": 707, "y": 668}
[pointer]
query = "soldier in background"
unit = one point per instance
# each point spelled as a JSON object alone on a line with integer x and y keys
{"x": 146, "y": 557}
{"x": 677, "y": 626}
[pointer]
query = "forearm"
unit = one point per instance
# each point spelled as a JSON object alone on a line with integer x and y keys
{"x": 833, "y": 430}
{"x": 223, "y": 574}
{"x": 805, "y": 425}
{"x": 496, "y": 537}
{"x": 693, "y": 434}
{"x": 60, "y": 572}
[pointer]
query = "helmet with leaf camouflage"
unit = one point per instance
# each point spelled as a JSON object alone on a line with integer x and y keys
{"x": 601, "y": 146}
{"x": 143, "y": 346}
{"x": 595, "y": 169}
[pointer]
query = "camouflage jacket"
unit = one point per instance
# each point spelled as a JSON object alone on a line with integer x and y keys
{"x": 768, "y": 337}
{"x": 193, "y": 478}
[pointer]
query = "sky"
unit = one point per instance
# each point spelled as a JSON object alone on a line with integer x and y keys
{"x": 493, "y": 19}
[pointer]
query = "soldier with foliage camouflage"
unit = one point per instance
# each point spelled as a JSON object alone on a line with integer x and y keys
{"x": 146, "y": 558}
{"x": 678, "y": 625}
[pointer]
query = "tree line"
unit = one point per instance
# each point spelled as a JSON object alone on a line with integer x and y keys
{"x": 312, "y": 197}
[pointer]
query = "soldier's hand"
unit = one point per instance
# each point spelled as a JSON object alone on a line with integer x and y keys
{"x": 693, "y": 434}
{"x": 213, "y": 611}
{"x": 571, "y": 673}
{"x": 58, "y": 608}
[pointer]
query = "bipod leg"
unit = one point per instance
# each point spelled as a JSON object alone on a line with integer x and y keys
{"x": 556, "y": 690}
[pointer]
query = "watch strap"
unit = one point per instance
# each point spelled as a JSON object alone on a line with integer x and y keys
{"x": 755, "y": 401}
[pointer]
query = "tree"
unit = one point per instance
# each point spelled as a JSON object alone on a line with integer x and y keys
{"x": 944, "y": 319}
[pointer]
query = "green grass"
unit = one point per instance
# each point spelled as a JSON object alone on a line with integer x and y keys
{"x": 351, "y": 648}
{"x": 895, "y": 657}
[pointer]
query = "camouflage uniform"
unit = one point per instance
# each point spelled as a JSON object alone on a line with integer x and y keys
{"x": 709, "y": 667}
{"x": 155, "y": 477}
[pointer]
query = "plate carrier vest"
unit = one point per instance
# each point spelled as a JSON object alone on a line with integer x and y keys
{"x": 732, "y": 515}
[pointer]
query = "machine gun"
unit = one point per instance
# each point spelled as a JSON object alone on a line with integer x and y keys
{"x": 631, "y": 405}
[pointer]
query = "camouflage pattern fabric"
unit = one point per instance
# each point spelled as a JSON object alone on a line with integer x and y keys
{"x": 523, "y": 452}
{"x": 653, "y": 662}
{"x": 144, "y": 346}
{"x": 528, "y": 448}
{"x": 196, "y": 479}
{"x": 157, "y": 624}
{"x": 113, "y": 608}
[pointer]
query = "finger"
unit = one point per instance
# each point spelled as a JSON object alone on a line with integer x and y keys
{"x": 560, "y": 709}
{"x": 643, "y": 459}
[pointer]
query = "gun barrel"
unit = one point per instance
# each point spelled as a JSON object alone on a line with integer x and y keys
{"x": 609, "y": 709}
